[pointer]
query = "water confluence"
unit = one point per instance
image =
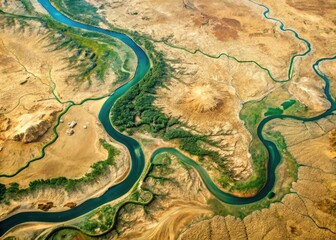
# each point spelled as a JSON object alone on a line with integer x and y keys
{"x": 136, "y": 153}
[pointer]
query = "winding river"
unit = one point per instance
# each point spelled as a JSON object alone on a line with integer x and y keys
{"x": 136, "y": 153}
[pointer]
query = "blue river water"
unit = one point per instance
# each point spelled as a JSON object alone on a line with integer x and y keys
{"x": 136, "y": 153}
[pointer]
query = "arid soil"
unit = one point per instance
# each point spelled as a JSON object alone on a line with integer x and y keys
{"x": 181, "y": 211}
{"x": 34, "y": 66}
{"x": 196, "y": 24}
{"x": 246, "y": 36}
{"x": 28, "y": 109}
{"x": 308, "y": 212}
{"x": 328, "y": 68}
{"x": 27, "y": 103}
{"x": 314, "y": 21}
{"x": 179, "y": 200}
{"x": 207, "y": 95}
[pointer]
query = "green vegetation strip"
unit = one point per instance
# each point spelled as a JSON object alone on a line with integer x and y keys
{"x": 135, "y": 111}
{"x": 287, "y": 176}
{"x": 138, "y": 104}
{"x": 54, "y": 25}
{"x": 97, "y": 170}
{"x": 99, "y": 51}
{"x": 84, "y": 11}
{"x": 107, "y": 223}
{"x": 55, "y": 137}
{"x": 159, "y": 119}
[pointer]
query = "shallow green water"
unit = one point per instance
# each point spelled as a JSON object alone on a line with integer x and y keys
{"x": 137, "y": 156}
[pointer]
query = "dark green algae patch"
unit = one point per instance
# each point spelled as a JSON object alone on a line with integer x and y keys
{"x": 280, "y": 110}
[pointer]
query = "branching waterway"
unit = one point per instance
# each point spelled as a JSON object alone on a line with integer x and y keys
{"x": 136, "y": 153}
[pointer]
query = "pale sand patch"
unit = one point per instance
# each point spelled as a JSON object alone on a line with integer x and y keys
{"x": 30, "y": 64}
{"x": 25, "y": 64}
{"x": 176, "y": 218}
{"x": 206, "y": 97}
{"x": 213, "y": 26}
{"x": 69, "y": 156}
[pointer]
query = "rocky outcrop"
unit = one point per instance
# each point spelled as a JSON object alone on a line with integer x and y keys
{"x": 70, "y": 205}
{"x": 72, "y": 124}
{"x": 32, "y": 127}
{"x": 34, "y": 132}
{"x": 70, "y": 131}
{"x": 5, "y": 124}
{"x": 45, "y": 207}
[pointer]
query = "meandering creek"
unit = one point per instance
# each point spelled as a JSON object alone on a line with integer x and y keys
{"x": 136, "y": 153}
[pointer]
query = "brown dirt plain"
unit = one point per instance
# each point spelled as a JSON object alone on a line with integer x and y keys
{"x": 208, "y": 94}
{"x": 307, "y": 212}
{"x": 223, "y": 85}
{"x": 28, "y": 111}
{"x": 180, "y": 200}
{"x": 223, "y": 26}
{"x": 314, "y": 21}
{"x": 28, "y": 102}
{"x": 181, "y": 209}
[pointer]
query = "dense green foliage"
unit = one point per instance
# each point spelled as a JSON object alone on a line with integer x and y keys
{"x": 252, "y": 114}
{"x": 79, "y": 10}
{"x": 93, "y": 56}
{"x": 104, "y": 220}
{"x": 135, "y": 111}
{"x": 70, "y": 234}
{"x": 94, "y": 53}
{"x": 28, "y": 6}
{"x": 139, "y": 99}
